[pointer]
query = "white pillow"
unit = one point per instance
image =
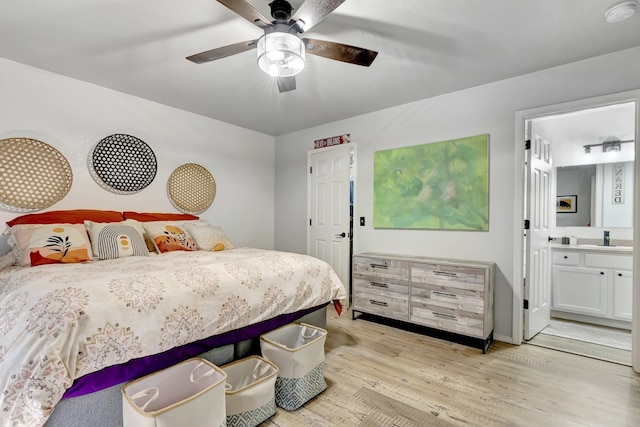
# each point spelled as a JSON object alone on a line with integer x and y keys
{"x": 111, "y": 240}
{"x": 7, "y": 260}
{"x": 209, "y": 238}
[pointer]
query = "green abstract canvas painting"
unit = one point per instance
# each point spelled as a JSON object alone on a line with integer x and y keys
{"x": 442, "y": 185}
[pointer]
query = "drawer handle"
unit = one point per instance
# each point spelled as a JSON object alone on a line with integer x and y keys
{"x": 381, "y": 303}
{"x": 444, "y": 273}
{"x": 565, "y": 257}
{"x": 384, "y": 266}
{"x": 602, "y": 272}
{"x": 379, "y": 285}
{"x": 620, "y": 274}
{"x": 445, "y": 315}
{"x": 446, "y": 294}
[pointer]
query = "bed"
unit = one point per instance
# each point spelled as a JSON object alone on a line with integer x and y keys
{"x": 71, "y": 334}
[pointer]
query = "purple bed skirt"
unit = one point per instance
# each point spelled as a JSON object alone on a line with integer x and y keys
{"x": 137, "y": 368}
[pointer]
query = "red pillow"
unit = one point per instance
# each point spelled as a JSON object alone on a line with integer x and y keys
{"x": 74, "y": 216}
{"x": 151, "y": 216}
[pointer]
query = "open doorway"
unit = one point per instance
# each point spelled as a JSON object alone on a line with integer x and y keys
{"x": 591, "y": 181}
{"x": 589, "y": 283}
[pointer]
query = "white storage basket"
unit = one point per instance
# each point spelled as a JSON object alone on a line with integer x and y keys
{"x": 190, "y": 393}
{"x": 297, "y": 350}
{"x": 250, "y": 391}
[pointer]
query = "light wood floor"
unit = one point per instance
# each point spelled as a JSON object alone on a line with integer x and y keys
{"x": 382, "y": 376}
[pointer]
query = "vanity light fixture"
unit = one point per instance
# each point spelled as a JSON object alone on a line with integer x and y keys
{"x": 610, "y": 146}
{"x": 611, "y": 143}
{"x": 621, "y": 11}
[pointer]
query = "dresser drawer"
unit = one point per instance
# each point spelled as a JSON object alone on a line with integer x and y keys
{"x": 396, "y": 306}
{"x": 449, "y": 276}
{"x": 380, "y": 287}
{"x": 566, "y": 258}
{"x": 467, "y": 300}
{"x": 381, "y": 267}
{"x": 451, "y": 320}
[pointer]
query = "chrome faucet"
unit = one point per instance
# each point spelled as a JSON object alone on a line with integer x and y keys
{"x": 606, "y": 238}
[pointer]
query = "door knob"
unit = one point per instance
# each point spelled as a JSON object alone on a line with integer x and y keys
{"x": 343, "y": 234}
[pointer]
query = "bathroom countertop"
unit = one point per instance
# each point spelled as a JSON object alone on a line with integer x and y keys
{"x": 593, "y": 248}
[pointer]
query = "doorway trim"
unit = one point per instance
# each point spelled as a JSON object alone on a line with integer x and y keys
{"x": 521, "y": 117}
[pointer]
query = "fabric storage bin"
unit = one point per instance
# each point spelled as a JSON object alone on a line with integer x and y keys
{"x": 250, "y": 391}
{"x": 190, "y": 393}
{"x": 297, "y": 350}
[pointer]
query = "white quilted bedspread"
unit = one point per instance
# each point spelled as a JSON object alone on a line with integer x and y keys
{"x": 59, "y": 322}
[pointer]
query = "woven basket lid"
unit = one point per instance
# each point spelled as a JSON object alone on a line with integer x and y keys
{"x": 191, "y": 188}
{"x": 122, "y": 164}
{"x": 34, "y": 175}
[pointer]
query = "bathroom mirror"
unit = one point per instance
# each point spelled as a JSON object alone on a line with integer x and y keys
{"x": 595, "y": 195}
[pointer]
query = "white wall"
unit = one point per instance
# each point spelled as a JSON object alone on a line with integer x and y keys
{"x": 73, "y": 116}
{"x": 485, "y": 109}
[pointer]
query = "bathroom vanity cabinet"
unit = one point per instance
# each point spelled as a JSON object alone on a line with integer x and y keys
{"x": 594, "y": 282}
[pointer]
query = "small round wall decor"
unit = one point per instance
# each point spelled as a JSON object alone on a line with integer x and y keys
{"x": 122, "y": 164}
{"x": 191, "y": 188}
{"x": 34, "y": 175}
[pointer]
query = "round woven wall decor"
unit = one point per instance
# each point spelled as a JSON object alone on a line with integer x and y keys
{"x": 34, "y": 175}
{"x": 191, "y": 188}
{"x": 122, "y": 164}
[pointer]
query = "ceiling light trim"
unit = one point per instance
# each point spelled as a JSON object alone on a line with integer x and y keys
{"x": 621, "y": 12}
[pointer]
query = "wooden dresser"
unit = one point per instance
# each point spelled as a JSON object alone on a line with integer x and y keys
{"x": 452, "y": 296}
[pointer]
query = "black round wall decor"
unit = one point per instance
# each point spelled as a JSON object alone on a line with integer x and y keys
{"x": 123, "y": 164}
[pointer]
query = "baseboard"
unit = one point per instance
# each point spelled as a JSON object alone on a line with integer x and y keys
{"x": 503, "y": 338}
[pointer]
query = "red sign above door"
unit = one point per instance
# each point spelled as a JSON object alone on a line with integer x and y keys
{"x": 334, "y": 140}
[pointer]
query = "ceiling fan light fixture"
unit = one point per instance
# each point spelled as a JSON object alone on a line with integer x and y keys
{"x": 281, "y": 54}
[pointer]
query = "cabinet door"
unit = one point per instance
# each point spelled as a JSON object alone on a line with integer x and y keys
{"x": 580, "y": 290}
{"x": 622, "y": 294}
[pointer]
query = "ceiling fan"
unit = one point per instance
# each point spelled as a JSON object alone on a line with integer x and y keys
{"x": 281, "y": 50}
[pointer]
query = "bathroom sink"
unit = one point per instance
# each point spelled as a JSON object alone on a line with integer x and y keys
{"x": 605, "y": 247}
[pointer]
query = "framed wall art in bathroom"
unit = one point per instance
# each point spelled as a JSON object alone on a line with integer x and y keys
{"x": 567, "y": 204}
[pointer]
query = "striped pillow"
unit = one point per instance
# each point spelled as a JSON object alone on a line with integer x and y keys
{"x": 116, "y": 240}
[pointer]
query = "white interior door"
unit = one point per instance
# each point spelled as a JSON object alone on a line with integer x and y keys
{"x": 330, "y": 236}
{"x": 541, "y": 215}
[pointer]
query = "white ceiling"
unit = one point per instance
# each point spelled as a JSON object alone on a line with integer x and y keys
{"x": 426, "y": 48}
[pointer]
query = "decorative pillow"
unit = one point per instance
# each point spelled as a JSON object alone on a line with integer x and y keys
{"x": 50, "y": 244}
{"x": 153, "y": 216}
{"x": 170, "y": 236}
{"x": 209, "y": 238}
{"x": 7, "y": 260}
{"x": 116, "y": 239}
{"x": 151, "y": 246}
{"x": 74, "y": 216}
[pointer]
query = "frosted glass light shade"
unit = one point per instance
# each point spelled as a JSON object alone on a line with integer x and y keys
{"x": 280, "y": 54}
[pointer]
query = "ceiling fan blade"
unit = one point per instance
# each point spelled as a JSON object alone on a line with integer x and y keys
{"x": 248, "y": 12}
{"x": 285, "y": 84}
{"x": 340, "y": 52}
{"x": 313, "y": 11}
{"x": 222, "y": 52}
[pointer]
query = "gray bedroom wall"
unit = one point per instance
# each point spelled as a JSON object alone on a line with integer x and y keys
{"x": 72, "y": 116}
{"x": 488, "y": 109}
